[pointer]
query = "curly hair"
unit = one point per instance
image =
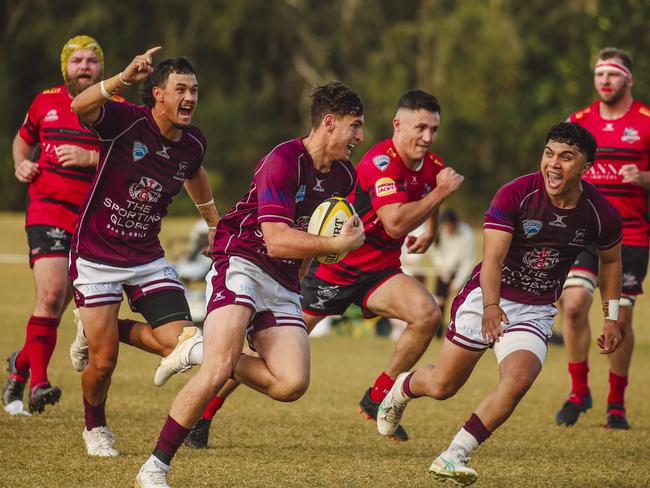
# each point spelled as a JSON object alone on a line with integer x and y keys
{"x": 334, "y": 98}
{"x": 574, "y": 135}
{"x": 419, "y": 99}
{"x": 181, "y": 66}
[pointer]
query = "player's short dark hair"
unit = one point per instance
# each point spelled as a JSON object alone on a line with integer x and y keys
{"x": 418, "y": 99}
{"x": 614, "y": 52}
{"x": 181, "y": 66}
{"x": 574, "y": 135}
{"x": 334, "y": 98}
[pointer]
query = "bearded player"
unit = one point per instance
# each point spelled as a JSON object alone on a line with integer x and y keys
{"x": 621, "y": 126}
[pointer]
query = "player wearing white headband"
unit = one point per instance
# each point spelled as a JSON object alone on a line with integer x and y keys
{"x": 621, "y": 126}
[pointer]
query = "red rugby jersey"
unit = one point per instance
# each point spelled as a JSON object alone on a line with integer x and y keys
{"x": 382, "y": 179}
{"x": 56, "y": 192}
{"x": 621, "y": 141}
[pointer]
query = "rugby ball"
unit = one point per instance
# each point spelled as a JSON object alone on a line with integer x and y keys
{"x": 327, "y": 221}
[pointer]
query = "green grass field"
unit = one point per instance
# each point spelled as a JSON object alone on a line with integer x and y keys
{"x": 321, "y": 440}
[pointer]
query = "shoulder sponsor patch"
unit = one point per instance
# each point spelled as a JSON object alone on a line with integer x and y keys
{"x": 51, "y": 91}
{"x": 382, "y": 161}
{"x": 385, "y": 187}
{"x": 140, "y": 150}
{"x": 645, "y": 111}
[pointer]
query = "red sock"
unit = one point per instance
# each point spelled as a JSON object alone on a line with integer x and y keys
{"x": 579, "y": 384}
{"x": 94, "y": 415}
{"x": 124, "y": 327}
{"x": 617, "y": 386}
{"x": 213, "y": 407}
{"x": 41, "y": 339}
{"x": 22, "y": 360}
{"x": 381, "y": 387}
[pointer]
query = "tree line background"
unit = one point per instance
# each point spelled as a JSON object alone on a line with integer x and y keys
{"x": 503, "y": 70}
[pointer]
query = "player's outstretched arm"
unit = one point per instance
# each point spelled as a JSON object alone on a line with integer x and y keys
{"x": 25, "y": 168}
{"x": 495, "y": 248}
{"x": 632, "y": 174}
{"x": 283, "y": 241}
{"x": 198, "y": 188}
{"x": 87, "y": 104}
{"x": 401, "y": 218}
{"x": 610, "y": 279}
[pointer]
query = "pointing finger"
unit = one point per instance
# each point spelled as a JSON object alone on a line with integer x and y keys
{"x": 153, "y": 50}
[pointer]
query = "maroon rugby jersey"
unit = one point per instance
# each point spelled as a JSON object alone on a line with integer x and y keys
{"x": 139, "y": 173}
{"x": 621, "y": 141}
{"x": 56, "y": 192}
{"x": 382, "y": 179}
{"x": 545, "y": 239}
{"x": 285, "y": 188}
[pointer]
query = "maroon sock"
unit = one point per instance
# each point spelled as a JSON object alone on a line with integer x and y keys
{"x": 124, "y": 327}
{"x": 617, "y": 386}
{"x": 41, "y": 340}
{"x": 406, "y": 386}
{"x": 171, "y": 437}
{"x": 95, "y": 415}
{"x": 476, "y": 427}
{"x": 579, "y": 384}
{"x": 380, "y": 389}
{"x": 213, "y": 407}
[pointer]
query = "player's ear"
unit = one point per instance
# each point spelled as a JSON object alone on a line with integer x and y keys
{"x": 328, "y": 122}
{"x": 396, "y": 124}
{"x": 586, "y": 167}
{"x": 157, "y": 93}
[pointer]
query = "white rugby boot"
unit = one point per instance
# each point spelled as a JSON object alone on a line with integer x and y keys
{"x": 99, "y": 442}
{"x": 79, "y": 347}
{"x": 178, "y": 360}
{"x": 391, "y": 409}
{"x": 152, "y": 474}
{"x": 452, "y": 466}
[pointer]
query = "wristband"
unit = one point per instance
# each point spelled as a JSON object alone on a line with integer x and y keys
{"x": 490, "y": 305}
{"x": 610, "y": 309}
{"x": 199, "y": 205}
{"x": 125, "y": 83}
{"x": 212, "y": 228}
{"x": 105, "y": 93}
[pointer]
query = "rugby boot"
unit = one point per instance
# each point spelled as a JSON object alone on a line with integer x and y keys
{"x": 14, "y": 388}
{"x": 178, "y": 360}
{"x": 41, "y": 395}
{"x": 452, "y": 466}
{"x": 369, "y": 408}
{"x": 152, "y": 474}
{"x": 79, "y": 347}
{"x": 198, "y": 436}
{"x": 391, "y": 409}
{"x": 572, "y": 408}
{"x": 616, "y": 418}
{"x": 99, "y": 442}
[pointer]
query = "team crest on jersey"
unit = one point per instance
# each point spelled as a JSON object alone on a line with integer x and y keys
{"x": 140, "y": 150}
{"x": 300, "y": 194}
{"x": 531, "y": 227}
{"x": 147, "y": 190}
{"x": 51, "y": 116}
{"x": 630, "y": 135}
{"x": 542, "y": 258}
{"x": 302, "y": 223}
{"x": 382, "y": 161}
{"x": 385, "y": 187}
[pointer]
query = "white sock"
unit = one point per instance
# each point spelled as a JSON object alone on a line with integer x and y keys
{"x": 155, "y": 463}
{"x": 196, "y": 353}
{"x": 464, "y": 443}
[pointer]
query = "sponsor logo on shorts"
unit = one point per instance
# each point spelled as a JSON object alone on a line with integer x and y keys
{"x": 559, "y": 221}
{"x": 382, "y": 161}
{"x": 630, "y": 281}
{"x": 329, "y": 291}
{"x": 147, "y": 190}
{"x": 163, "y": 151}
{"x": 630, "y": 135}
{"x": 55, "y": 233}
{"x": 140, "y": 150}
{"x": 385, "y": 187}
{"x": 218, "y": 296}
{"x": 542, "y": 258}
{"x": 531, "y": 227}
{"x": 170, "y": 272}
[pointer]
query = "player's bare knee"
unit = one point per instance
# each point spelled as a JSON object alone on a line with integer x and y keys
{"x": 290, "y": 389}
{"x": 575, "y": 314}
{"x": 518, "y": 383}
{"x": 427, "y": 318}
{"x": 50, "y": 302}
{"x": 102, "y": 367}
{"x": 442, "y": 390}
